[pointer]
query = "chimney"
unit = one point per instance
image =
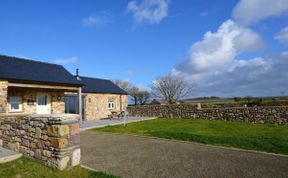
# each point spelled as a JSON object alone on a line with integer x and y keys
{"x": 77, "y": 74}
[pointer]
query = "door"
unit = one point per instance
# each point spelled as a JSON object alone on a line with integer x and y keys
{"x": 43, "y": 103}
{"x": 71, "y": 105}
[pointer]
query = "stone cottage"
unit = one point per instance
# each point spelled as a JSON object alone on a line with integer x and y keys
{"x": 33, "y": 87}
{"x": 100, "y": 98}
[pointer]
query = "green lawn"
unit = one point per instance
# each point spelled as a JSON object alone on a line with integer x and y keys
{"x": 25, "y": 168}
{"x": 268, "y": 138}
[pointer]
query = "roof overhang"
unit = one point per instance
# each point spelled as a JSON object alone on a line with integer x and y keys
{"x": 44, "y": 86}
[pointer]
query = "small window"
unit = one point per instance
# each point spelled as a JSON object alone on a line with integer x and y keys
{"x": 15, "y": 103}
{"x": 111, "y": 105}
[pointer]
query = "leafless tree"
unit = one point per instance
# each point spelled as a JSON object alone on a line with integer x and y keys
{"x": 171, "y": 88}
{"x": 125, "y": 85}
{"x": 138, "y": 96}
{"x": 134, "y": 92}
{"x": 143, "y": 97}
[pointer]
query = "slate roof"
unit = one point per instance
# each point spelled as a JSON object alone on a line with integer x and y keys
{"x": 95, "y": 85}
{"x": 13, "y": 68}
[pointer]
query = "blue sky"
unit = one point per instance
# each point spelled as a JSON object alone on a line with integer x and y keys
{"x": 138, "y": 40}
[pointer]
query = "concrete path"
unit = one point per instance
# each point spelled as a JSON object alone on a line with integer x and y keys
{"x": 105, "y": 122}
{"x": 8, "y": 155}
{"x": 140, "y": 157}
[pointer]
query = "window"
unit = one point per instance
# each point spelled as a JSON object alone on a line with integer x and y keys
{"x": 42, "y": 100}
{"x": 111, "y": 105}
{"x": 15, "y": 103}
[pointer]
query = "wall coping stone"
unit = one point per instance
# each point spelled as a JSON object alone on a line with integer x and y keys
{"x": 55, "y": 119}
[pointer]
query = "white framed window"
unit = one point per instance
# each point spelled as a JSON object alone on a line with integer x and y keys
{"x": 15, "y": 104}
{"x": 111, "y": 105}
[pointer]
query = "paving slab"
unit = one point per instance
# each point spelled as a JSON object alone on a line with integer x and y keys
{"x": 86, "y": 125}
{"x": 141, "y": 157}
{"x": 8, "y": 155}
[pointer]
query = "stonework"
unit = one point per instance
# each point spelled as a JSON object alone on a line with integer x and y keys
{"x": 29, "y": 99}
{"x": 96, "y": 105}
{"x": 3, "y": 96}
{"x": 269, "y": 114}
{"x": 47, "y": 138}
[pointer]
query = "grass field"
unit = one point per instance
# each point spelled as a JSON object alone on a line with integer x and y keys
{"x": 268, "y": 138}
{"x": 25, "y": 168}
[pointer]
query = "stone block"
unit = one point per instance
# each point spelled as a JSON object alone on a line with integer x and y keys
{"x": 17, "y": 146}
{"x": 47, "y": 153}
{"x": 74, "y": 129}
{"x": 58, "y": 142}
{"x": 44, "y": 137}
{"x": 38, "y": 154}
{"x": 62, "y": 163}
{"x": 33, "y": 145}
{"x": 23, "y": 150}
{"x": 40, "y": 144}
{"x": 25, "y": 143}
{"x": 38, "y": 132}
{"x": 75, "y": 158}
{"x": 31, "y": 129}
{"x": 58, "y": 130}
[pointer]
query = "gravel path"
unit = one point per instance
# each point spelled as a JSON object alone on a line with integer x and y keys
{"x": 140, "y": 157}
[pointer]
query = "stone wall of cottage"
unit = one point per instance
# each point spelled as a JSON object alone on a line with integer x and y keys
{"x": 269, "y": 114}
{"x": 52, "y": 139}
{"x": 96, "y": 105}
{"x": 3, "y": 96}
{"x": 29, "y": 99}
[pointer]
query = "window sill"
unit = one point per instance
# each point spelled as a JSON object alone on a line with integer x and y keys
{"x": 15, "y": 111}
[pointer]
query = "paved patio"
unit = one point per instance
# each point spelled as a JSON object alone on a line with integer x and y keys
{"x": 106, "y": 122}
{"x": 141, "y": 157}
{"x": 8, "y": 155}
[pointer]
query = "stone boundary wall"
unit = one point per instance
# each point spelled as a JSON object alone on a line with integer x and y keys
{"x": 52, "y": 139}
{"x": 269, "y": 115}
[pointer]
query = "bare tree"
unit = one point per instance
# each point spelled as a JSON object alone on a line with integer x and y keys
{"x": 171, "y": 88}
{"x": 143, "y": 97}
{"x": 134, "y": 92}
{"x": 125, "y": 85}
{"x": 138, "y": 96}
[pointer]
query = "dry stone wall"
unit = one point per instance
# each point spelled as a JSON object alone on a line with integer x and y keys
{"x": 271, "y": 115}
{"x": 51, "y": 139}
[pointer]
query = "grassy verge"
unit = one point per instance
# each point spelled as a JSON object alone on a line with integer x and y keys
{"x": 25, "y": 168}
{"x": 268, "y": 138}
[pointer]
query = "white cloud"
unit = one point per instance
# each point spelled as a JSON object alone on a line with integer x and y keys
{"x": 215, "y": 70}
{"x": 70, "y": 60}
{"x": 97, "y": 20}
{"x": 218, "y": 50}
{"x": 250, "y": 11}
{"x": 282, "y": 36}
{"x": 253, "y": 77}
{"x": 151, "y": 11}
{"x": 213, "y": 64}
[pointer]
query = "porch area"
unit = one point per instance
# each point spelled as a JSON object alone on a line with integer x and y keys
{"x": 26, "y": 98}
